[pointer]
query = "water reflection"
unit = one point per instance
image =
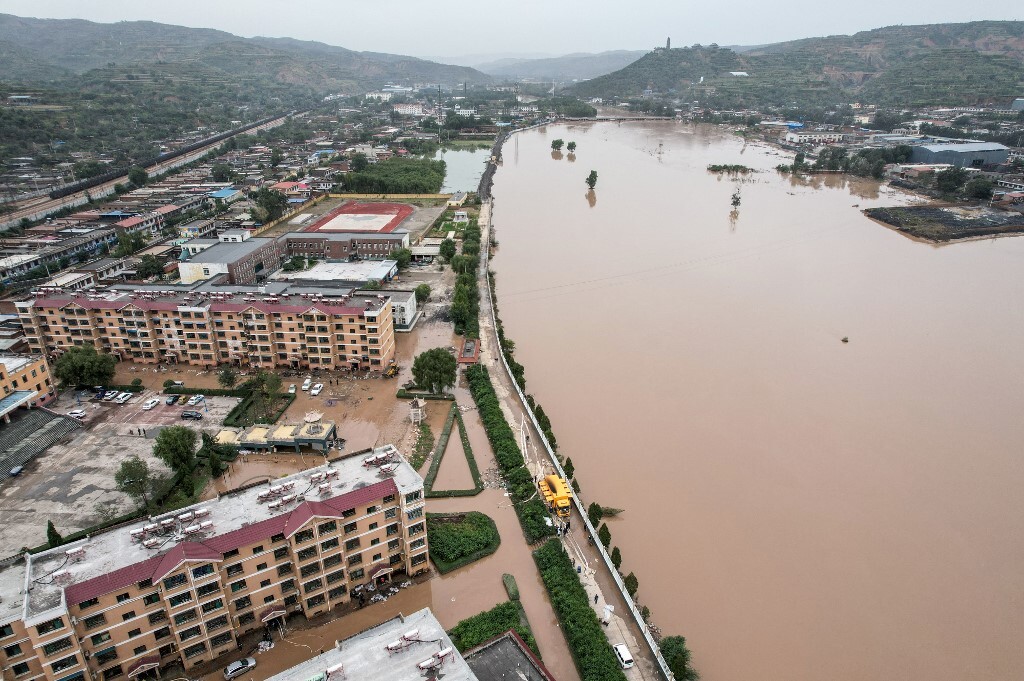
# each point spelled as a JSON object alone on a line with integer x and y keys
{"x": 591, "y": 197}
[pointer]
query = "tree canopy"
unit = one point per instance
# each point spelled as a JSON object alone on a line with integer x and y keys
{"x": 677, "y": 655}
{"x": 83, "y": 365}
{"x": 434, "y": 370}
{"x": 448, "y": 249}
{"x": 270, "y": 204}
{"x": 138, "y": 176}
{"x": 422, "y": 293}
{"x": 134, "y": 479}
{"x": 591, "y": 179}
{"x": 176, "y": 446}
{"x": 149, "y": 266}
{"x": 403, "y": 256}
{"x": 227, "y": 378}
{"x": 397, "y": 176}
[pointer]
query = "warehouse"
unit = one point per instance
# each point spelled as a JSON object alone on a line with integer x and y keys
{"x": 965, "y": 155}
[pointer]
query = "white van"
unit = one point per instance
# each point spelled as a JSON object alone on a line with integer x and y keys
{"x": 308, "y": 382}
{"x": 622, "y": 652}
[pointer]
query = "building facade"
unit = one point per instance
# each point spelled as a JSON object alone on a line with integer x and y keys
{"x": 344, "y": 245}
{"x": 245, "y": 261}
{"x": 208, "y": 328}
{"x": 27, "y": 372}
{"x": 183, "y": 586}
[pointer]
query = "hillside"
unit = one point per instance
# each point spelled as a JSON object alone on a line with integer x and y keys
{"x": 974, "y": 63}
{"x": 57, "y": 46}
{"x": 576, "y": 66}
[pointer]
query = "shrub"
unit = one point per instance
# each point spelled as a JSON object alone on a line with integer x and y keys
{"x": 475, "y": 630}
{"x": 459, "y": 539}
{"x": 511, "y": 588}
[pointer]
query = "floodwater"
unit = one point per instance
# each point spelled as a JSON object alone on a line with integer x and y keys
{"x": 454, "y": 470}
{"x": 798, "y": 507}
{"x": 465, "y": 164}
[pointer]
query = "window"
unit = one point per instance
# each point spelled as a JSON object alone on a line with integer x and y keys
{"x": 191, "y": 632}
{"x": 304, "y": 536}
{"x": 128, "y": 615}
{"x": 221, "y": 640}
{"x": 284, "y": 569}
{"x": 277, "y": 537}
{"x": 187, "y": 616}
{"x": 158, "y": 616}
{"x": 134, "y": 632}
{"x": 261, "y": 566}
{"x": 100, "y": 638}
{"x": 162, "y": 633}
{"x": 207, "y": 589}
{"x": 139, "y": 650}
{"x": 413, "y": 496}
{"x": 310, "y": 569}
{"x": 391, "y": 512}
{"x": 20, "y": 669}
{"x": 418, "y": 544}
{"x": 213, "y": 605}
{"x": 56, "y": 646}
{"x": 349, "y": 513}
{"x": 217, "y": 623}
{"x": 372, "y": 509}
{"x": 281, "y": 552}
{"x": 389, "y": 498}
{"x": 315, "y": 601}
{"x": 257, "y": 549}
{"x": 325, "y": 528}
{"x": 72, "y": 660}
{"x": 269, "y": 599}
{"x": 377, "y": 556}
{"x": 121, "y": 598}
{"x": 166, "y": 650}
{"x": 181, "y": 598}
{"x": 52, "y": 625}
{"x": 175, "y": 581}
{"x": 7, "y": 630}
{"x": 151, "y": 599}
{"x": 393, "y": 545}
{"x": 237, "y": 586}
{"x": 306, "y": 554}
{"x": 312, "y": 585}
{"x": 235, "y": 569}
{"x": 395, "y": 559}
{"x": 352, "y": 544}
{"x": 331, "y": 561}
{"x": 247, "y": 618}
{"x": 417, "y": 560}
{"x": 415, "y": 513}
{"x": 89, "y": 603}
{"x": 12, "y": 651}
{"x": 113, "y": 672}
{"x": 197, "y": 649}
{"x": 336, "y": 577}
{"x": 243, "y": 603}
{"x": 94, "y": 621}
{"x": 416, "y": 529}
{"x": 356, "y": 574}
{"x": 337, "y": 592}
{"x": 350, "y": 528}
{"x": 392, "y": 529}
{"x": 231, "y": 554}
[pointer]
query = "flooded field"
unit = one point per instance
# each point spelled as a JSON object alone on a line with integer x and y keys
{"x": 465, "y": 164}
{"x": 797, "y": 506}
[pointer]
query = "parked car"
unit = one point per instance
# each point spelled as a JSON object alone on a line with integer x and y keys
{"x": 173, "y": 399}
{"x": 622, "y": 652}
{"x": 122, "y": 398}
{"x": 316, "y": 389}
{"x": 236, "y": 669}
{"x": 195, "y": 399}
{"x": 305, "y": 384}
{"x": 109, "y": 395}
{"x": 192, "y": 415}
{"x": 99, "y": 395}
{"x": 291, "y": 389}
{"x": 77, "y": 414}
{"x": 16, "y": 471}
{"x": 178, "y": 384}
{"x": 150, "y": 404}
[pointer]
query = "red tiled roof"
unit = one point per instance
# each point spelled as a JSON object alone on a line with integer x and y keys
{"x": 170, "y": 306}
{"x": 112, "y": 581}
{"x": 182, "y": 552}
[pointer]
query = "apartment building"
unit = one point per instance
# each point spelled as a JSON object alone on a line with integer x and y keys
{"x": 183, "y": 586}
{"x": 330, "y": 330}
{"x": 26, "y": 374}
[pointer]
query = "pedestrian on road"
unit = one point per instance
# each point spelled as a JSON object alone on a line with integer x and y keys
{"x": 595, "y": 599}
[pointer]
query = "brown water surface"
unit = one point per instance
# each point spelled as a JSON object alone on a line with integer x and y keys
{"x": 798, "y": 507}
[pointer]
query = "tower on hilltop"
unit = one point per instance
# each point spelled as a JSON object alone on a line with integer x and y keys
{"x": 668, "y": 43}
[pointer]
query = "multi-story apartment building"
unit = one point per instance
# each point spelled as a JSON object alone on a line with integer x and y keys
{"x": 183, "y": 586}
{"x": 26, "y": 374}
{"x": 203, "y": 327}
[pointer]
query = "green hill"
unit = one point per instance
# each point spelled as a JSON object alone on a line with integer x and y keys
{"x": 974, "y": 63}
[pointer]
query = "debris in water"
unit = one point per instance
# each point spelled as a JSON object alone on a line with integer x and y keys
{"x": 846, "y": 339}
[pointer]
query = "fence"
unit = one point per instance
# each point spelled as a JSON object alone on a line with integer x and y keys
{"x": 644, "y": 629}
{"x": 391, "y": 196}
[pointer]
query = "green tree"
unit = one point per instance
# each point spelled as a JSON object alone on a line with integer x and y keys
{"x": 149, "y": 266}
{"x": 275, "y": 157}
{"x": 134, "y": 479}
{"x": 227, "y": 378}
{"x": 403, "y": 256}
{"x": 569, "y": 469}
{"x": 632, "y": 583}
{"x": 138, "y": 176}
{"x": 221, "y": 172}
{"x": 594, "y": 513}
{"x": 571, "y": 146}
{"x": 128, "y": 243}
{"x": 266, "y": 387}
{"x": 949, "y": 181}
{"x": 53, "y": 537}
{"x": 591, "y": 179}
{"x": 434, "y": 370}
{"x": 800, "y": 161}
{"x": 83, "y": 365}
{"x": 422, "y": 293}
{"x": 359, "y": 163}
{"x": 372, "y": 285}
{"x": 271, "y": 204}
{"x": 448, "y": 249}
{"x": 604, "y": 534}
{"x": 979, "y": 188}
{"x": 176, "y": 446}
{"x": 616, "y": 557}
{"x": 556, "y": 145}
{"x": 677, "y": 655}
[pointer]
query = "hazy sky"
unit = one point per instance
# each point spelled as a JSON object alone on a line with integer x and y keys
{"x": 445, "y": 27}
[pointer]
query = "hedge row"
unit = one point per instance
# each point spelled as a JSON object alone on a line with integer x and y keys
{"x": 235, "y": 419}
{"x": 511, "y": 588}
{"x": 404, "y": 394}
{"x": 594, "y": 657}
{"x": 458, "y": 539}
{"x": 532, "y": 515}
{"x": 477, "y": 629}
{"x": 439, "y": 450}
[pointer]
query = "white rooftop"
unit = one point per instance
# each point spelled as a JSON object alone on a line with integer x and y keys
{"x": 14, "y": 362}
{"x": 417, "y": 640}
{"x": 361, "y": 271}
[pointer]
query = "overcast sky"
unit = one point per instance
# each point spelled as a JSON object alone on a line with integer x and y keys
{"x": 452, "y": 28}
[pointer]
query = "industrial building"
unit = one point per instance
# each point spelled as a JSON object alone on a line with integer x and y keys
{"x": 963, "y": 155}
{"x": 183, "y": 586}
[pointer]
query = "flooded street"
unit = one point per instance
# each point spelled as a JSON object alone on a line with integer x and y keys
{"x": 797, "y": 507}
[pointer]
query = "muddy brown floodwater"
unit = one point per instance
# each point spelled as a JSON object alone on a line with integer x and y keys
{"x": 798, "y": 507}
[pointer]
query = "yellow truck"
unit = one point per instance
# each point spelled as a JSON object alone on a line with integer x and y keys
{"x": 557, "y": 495}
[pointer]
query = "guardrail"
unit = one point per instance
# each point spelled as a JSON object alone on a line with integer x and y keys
{"x": 644, "y": 629}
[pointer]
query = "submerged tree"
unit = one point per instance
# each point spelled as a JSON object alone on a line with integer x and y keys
{"x": 591, "y": 179}
{"x": 556, "y": 145}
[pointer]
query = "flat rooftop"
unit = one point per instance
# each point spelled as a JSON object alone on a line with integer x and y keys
{"x": 506, "y": 657}
{"x": 360, "y": 271}
{"x": 226, "y": 251}
{"x": 15, "y": 362}
{"x": 418, "y": 639}
{"x": 114, "y": 559}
